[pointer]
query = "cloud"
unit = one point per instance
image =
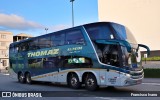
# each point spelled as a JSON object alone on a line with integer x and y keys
{"x": 57, "y": 27}
{"x": 15, "y": 22}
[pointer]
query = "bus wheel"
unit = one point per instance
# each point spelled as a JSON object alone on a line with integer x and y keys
{"x": 21, "y": 78}
{"x": 91, "y": 82}
{"x": 73, "y": 81}
{"x": 28, "y": 78}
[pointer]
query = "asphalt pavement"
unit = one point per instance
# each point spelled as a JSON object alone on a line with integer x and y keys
{"x": 151, "y": 64}
{"x": 62, "y": 92}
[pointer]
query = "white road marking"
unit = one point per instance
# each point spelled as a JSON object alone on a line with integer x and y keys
{"x": 106, "y": 98}
{"x": 6, "y": 74}
{"x": 151, "y": 83}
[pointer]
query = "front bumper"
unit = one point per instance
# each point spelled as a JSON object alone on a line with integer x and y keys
{"x": 134, "y": 78}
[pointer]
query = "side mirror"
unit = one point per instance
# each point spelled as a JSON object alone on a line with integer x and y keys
{"x": 144, "y": 46}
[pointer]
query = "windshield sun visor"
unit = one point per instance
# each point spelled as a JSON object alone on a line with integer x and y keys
{"x": 118, "y": 42}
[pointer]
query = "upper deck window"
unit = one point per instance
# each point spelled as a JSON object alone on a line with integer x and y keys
{"x": 44, "y": 41}
{"x": 74, "y": 37}
{"x": 23, "y": 47}
{"x": 58, "y": 39}
{"x": 98, "y": 32}
{"x": 106, "y": 31}
{"x": 120, "y": 31}
{"x": 33, "y": 44}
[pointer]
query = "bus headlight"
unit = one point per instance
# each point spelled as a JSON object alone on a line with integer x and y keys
{"x": 128, "y": 75}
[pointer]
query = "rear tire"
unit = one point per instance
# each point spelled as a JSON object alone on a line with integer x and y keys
{"x": 28, "y": 78}
{"x": 73, "y": 81}
{"x": 91, "y": 82}
{"x": 21, "y": 78}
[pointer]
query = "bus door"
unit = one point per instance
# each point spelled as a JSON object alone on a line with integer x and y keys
{"x": 113, "y": 57}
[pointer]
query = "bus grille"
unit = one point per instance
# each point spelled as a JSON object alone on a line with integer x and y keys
{"x": 137, "y": 74}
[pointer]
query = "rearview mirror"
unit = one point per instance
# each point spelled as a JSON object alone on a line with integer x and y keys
{"x": 144, "y": 46}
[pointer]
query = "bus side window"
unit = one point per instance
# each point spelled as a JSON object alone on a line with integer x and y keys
{"x": 74, "y": 37}
{"x": 58, "y": 39}
{"x": 11, "y": 49}
{"x": 93, "y": 33}
{"x": 49, "y": 62}
{"x": 23, "y": 47}
{"x": 33, "y": 44}
{"x": 16, "y": 49}
{"x": 35, "y": 63}
{"x": 44, "y": 41}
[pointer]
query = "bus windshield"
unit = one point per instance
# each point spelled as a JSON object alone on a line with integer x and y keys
{"x": 104, "y": 31}
{"x": 114, "y": 53}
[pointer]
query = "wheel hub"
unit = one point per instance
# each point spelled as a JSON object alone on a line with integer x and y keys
{"x": 21, "y": 78}
{"x": 90, "y": 82}
{"x": 74, "y": 81}
{"x": 28, "y": 80}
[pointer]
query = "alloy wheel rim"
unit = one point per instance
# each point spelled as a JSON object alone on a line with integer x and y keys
{"x": 74, "y": 81}
{"x": 90, "y": 82}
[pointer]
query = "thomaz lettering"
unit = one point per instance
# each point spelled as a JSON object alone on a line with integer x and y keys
{"x": 43, "y": 53}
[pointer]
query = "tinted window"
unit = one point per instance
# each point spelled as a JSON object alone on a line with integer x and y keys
{"x": 110, "y": 55}
{"x": 50, "y": 62}
{"x": 33, "y": 44}
{"x": 35, "y": 63}
{"x": 44, "y": 42}
{"x": 58, "y": 39}
{"x": 16, "y": 49}
{"x": 94, "y": 33}
{"x": 74, "y": 37}
{"x": 120, "y": 31}
{"x": 11, "y": 49}
{"x": 23, "y": 47}
{"x": 102, "y": 31}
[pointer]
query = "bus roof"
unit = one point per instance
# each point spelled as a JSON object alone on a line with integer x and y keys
{"x": 89, "y": 24}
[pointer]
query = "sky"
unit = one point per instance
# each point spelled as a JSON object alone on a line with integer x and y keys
{"x": 33, "y": 16}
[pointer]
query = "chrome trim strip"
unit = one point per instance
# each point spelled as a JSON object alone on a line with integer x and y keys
{"x": 132, "y": 72}
{"x": 137, "y": 77}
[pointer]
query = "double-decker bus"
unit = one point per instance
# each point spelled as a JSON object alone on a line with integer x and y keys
{"x": 96, "y": 54}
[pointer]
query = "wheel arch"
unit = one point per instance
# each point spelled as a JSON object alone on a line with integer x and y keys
{"x": 20, "y": 72}
{"x": 26, "y": 73}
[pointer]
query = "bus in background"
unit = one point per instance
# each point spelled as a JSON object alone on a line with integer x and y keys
{"x": 96, "y": 54}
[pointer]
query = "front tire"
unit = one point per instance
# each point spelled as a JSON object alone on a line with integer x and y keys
{"x": 28, "y": 78}
{"x": 91, "y": 82}
{"x": 73, "y": 81}
{"x": 21, "y": 78}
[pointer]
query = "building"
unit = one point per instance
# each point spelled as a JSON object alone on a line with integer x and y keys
{"x": 5, "y": 39}
{"x": 153, "y": 53}
{"x": 21, "y": 36}
{"x": 142, "y": 17}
